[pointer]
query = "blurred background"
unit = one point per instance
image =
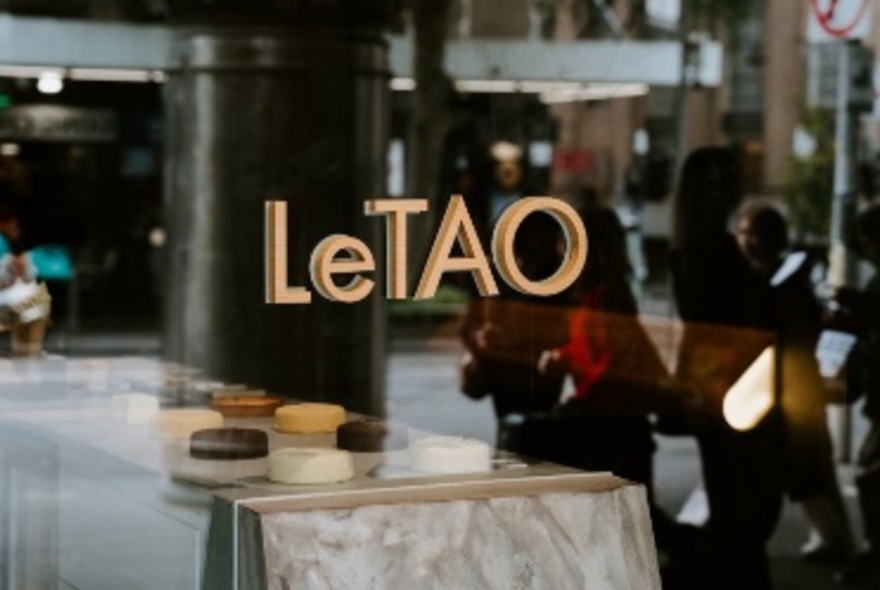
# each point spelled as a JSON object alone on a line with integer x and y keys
{"x": 139, "y": 140}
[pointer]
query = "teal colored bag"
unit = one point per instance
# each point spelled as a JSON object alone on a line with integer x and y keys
{"x": 53, "y": 262}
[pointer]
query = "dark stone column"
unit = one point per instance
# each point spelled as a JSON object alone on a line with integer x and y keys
{"x": 284, "y": 101}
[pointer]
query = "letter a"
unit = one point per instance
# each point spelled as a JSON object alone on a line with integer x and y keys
{"x": 456, "y": 226}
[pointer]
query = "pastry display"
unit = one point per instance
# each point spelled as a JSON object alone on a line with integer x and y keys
{"x": 309, "y": 418}
{"x": 180, "y": 423}
{"x": 310, "y": 466}
{"x": 228, "y": 444}
{"x": 370, "y": 435}
{"x": 449, "y": 454}
{"x": 247, "y": 406}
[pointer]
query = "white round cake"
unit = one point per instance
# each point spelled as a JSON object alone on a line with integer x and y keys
{"x": 309, "y": 418}
{"x": 181, "y": 423}
{"x": 310, "y": 465}
{"x": 136, "y": 408}
{"x": 449, "y": 454}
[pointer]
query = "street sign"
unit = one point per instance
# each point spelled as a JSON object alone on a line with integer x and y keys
{"x": 823, "y": 66}
{"x": 838, "y": 20}
{"x": 56, "y": 123}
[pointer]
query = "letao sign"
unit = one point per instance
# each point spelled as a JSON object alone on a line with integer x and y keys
{"x": 838, "y": 20}
{"x": 341, "y": 254}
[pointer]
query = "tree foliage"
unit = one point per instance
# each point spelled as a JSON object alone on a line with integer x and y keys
{"x": 809, "y": 179}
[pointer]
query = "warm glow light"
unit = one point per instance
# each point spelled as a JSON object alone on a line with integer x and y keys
{"x": 10, "y": 149}
{"x": 753, "y": 395}
{"x": 156, "y": 237}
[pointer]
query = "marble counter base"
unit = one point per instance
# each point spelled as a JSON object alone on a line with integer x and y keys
{"x": 557, "y": 541}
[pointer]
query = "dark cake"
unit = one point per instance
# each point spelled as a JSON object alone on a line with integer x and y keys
{"x": 229, "y": 444}
{"x": 369, "y": 435}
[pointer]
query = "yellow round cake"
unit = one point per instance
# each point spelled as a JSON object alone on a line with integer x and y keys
{"x": 309, "y": 418}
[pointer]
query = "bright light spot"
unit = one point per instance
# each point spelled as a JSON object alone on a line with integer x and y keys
{"x": 803, "y": 143}
{"x": 402, "y": 84}
{"x": 641, "y": 142}
{"x": 157, "y": 237}
{"x": 541, "y": 153}
{"x": 753, "y": 395}
{"x": 10, "y": 149}
{"x": 396, "y": 168}
{"x": 504, "y": 151}
{"x": 664, "y": 12}
{"x": 50, "y": 83}
{"x": 487, "y": 86}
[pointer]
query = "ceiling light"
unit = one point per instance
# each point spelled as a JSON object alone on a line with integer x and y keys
{"x": 594, "y": 92}
{"x": 403, "y": 84}
{"x": 504, "y": 150}
{"x": 50, "y": 82}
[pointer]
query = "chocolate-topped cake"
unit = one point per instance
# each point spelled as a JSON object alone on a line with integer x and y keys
{"x": 369, "y": 435}
{"x": 229, "y": 444}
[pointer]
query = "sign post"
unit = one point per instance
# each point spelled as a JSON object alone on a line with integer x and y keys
{"x": 841, "y": 22}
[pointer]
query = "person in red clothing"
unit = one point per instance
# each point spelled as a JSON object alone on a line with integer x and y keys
{"x": 618, "y": 375}
{"x": 504, "y": 336}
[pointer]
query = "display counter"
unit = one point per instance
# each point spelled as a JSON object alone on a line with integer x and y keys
{"x": 92, "y": 498}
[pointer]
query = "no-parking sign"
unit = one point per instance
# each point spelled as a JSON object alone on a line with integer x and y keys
{"x": 839, "y": 20}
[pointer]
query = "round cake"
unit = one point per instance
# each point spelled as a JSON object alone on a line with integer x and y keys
{"x": 247, "y": 406}
{"x": 369, "y": 435}
{"x": 229, "y": 444}
{"x": 310, "y": 466}
{"x": 449, "y": 454}
{"x": 309, "y": 418}
{"x": 137, "y": 408}
{"x": 180, "y": 423}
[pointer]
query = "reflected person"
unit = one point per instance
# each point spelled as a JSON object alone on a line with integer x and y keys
{"x": 713, "y": 283}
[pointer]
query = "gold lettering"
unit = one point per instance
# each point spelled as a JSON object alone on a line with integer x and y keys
{"x": 323, "y": 266}
{"x": 575, "y": 237}
{"x": 456, "y": 226}
{"x": 395, "y": 212}
{"x": 277, "y": 290}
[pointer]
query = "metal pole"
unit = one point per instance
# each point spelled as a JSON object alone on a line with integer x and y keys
{"x": 682, "y": 118}
{"x": 841, "y": 266}
{"x": 843, "y": 188}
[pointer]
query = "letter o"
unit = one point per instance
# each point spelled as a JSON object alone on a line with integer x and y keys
{"x": 575, "y": 241}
